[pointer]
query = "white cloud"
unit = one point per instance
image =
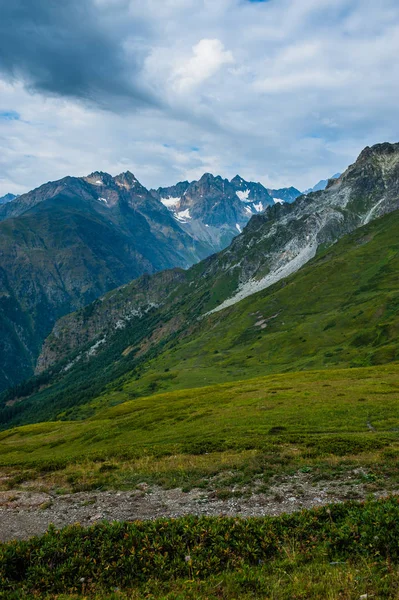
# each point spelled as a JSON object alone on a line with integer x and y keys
{"x": 208, "y": 56}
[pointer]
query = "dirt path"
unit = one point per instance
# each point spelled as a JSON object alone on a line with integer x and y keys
{"x": 25, "y": 514}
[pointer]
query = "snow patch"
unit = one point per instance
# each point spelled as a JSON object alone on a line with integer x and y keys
{"x": 103, "y": 200}
{"x": 278, "y": 201}
{"x": 238, "y": 227}
{"x": 98, "y": 182}
{"x": 248, "y": 209}
{"x": 183, "y": 215}
{"x": 243, "y": 196}
{"x": 170, "y": 201}
{"x": 258, "y": 207}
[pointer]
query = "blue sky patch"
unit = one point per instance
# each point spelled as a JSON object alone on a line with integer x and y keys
{"x": 9, "y": 115}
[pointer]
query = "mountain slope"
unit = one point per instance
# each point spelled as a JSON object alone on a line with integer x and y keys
{"x": 340, "y": 310}
{"x": 285, "y": 237}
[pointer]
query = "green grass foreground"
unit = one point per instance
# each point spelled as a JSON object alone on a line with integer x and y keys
{"x": 337, "y": 412}
{"x": 339, "y": 551}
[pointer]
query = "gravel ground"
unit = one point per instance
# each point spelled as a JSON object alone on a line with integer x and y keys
{"x": 24, "y": 514}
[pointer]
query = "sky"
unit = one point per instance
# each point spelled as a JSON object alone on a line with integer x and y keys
{"x": 285, "y": 92}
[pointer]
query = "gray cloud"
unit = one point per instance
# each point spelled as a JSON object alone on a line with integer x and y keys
{"x": 72, "y": 48}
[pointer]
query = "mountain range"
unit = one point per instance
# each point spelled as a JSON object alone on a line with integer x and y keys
{"x": 68, "y": 242}
{"x": 247, "y": 310}
{"x": 214, "y": 209}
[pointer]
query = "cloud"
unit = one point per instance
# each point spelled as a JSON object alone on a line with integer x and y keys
{"x": 72, "y": 48}
{"x": 208, "y": 57}
{"x": 284, "y": 92}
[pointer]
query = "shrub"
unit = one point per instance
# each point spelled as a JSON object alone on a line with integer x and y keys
{"x": 127, "y": 554}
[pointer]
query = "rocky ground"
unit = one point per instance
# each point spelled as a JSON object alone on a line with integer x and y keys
{"x": 27, "y": 513}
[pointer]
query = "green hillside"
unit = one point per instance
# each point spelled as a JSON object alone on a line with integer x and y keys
{"x": 339, "y": 311}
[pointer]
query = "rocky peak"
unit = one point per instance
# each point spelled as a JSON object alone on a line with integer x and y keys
{"x": 127, "y": 180}
{"x": 99, "y": 178}
{"x": 239, "y": 183}
{"x": 212, "y": 182}
{"x": 378, "y": 150}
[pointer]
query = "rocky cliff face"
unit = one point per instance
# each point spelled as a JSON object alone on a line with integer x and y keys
{"x": 285, "y": 237}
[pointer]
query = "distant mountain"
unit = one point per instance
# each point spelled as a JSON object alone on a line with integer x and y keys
{"x": 322, "y": 184}
{"x": 285, "y": 194}
{"x": 214, "y": 210}
{"x": 7, "y": 198}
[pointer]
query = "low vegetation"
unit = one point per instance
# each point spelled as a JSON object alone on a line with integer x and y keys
{"x": 262, "y": 427}
{"x": 343, "y": 551}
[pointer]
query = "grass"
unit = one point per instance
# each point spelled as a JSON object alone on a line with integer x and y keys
{"x": 265, "y": 426}
{"x": 287, "y": 579}
{"x": 339, "y": 551}
{"x": 292, "y": 578}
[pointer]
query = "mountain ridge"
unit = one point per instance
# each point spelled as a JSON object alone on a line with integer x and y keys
{"x": 273, "y": 244}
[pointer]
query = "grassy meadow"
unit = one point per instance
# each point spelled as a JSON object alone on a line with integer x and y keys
{"x": 263, "y": 426}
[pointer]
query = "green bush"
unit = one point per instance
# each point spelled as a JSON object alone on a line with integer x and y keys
{"x": 126, "y": 554}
